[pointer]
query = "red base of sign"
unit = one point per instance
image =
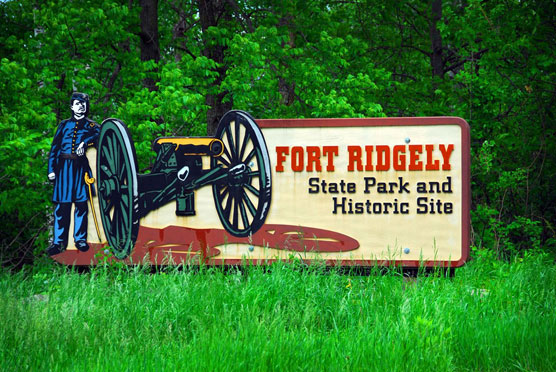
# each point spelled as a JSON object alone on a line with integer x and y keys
{"x": 175, "y": 244}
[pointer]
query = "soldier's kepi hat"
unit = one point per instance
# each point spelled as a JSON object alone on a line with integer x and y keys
{"x": 83, "y": 97}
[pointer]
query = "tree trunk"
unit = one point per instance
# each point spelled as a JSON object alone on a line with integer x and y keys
{"x": 211, "y": 14}
{"x": 437, "y": 63}
{"x": 150, "y": 50}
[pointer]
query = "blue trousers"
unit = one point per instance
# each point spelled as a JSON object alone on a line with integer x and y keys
{"x": 62, "y": 216}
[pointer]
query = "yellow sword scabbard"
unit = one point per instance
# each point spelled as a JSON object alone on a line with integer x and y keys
{"x": 89, "y": 182}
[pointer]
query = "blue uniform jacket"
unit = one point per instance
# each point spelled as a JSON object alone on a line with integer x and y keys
{"x": 69, "y": 183}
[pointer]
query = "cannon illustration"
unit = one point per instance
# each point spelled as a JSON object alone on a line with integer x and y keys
{"x": 239, "y": 174}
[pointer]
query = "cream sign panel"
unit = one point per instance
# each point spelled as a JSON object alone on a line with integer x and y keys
{"x": 399, "y": 187}
{"x": 347, "y": 191}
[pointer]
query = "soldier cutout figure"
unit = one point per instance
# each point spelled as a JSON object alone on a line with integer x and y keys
{"x": 67, "y": 165}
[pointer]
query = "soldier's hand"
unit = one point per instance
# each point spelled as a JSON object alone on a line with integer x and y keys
{"x": 80, "y": 149}
{"x": 51, "y": 176}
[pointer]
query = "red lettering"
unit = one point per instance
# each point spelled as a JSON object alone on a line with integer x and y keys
{"x": 446, "y": 153}
{"x": 330, "y": 152}
{"x": 369, "y": 151}
{"x": 281, "y": 152}
{"x": 431, "y": 165}
{"x": 399, "y": 157}
{"x": 354, "y": 157}
{"x": 382, "y": 158}
{"x": 297, "y": 158}
{"x": 313, "y": 157}
{"x": 414, "y": 163}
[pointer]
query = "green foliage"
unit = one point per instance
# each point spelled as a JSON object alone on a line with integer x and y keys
{"x": 283, "y": 60}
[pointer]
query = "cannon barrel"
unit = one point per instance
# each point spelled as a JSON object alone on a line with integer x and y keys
{"x": 204, "y": 146}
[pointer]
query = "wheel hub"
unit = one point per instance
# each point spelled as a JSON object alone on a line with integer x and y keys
{"x": 239, "y": 175}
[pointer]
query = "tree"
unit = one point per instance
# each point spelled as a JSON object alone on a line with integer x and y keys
{"x": 212, "y": 14}
{"x": 175, "y": 67}
{"x": 148, "y": 36}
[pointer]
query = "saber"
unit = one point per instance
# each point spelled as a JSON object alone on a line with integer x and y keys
{"x": 89, "y": 182}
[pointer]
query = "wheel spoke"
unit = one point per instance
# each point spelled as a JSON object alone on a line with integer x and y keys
{"x": 123, "y": 171}
{"x": 235, "y": 222}
{"x": 107, "y": 226}
{"x": 116, "y": 224}
{"x": 252, "y": 189}
{"x": 249, "y": 157}
{"x": 244, "y": 144}
{"x": 117, "y": 150}
{"x": 123, "y": 165}
{"x": 111, "y": 148}
{"x": 223, "y": 161}
{"x": 108, "y": 156}
{"x": 222, "y": 195}
{"x": 236, "y": 139}
{"x": 104, "y": 169}
{"x": 125, "y": 216}
{"x": 227, "y": 208}
{"x": 124, "y": 200}
{"x": 250, "y": 205}
{"x": 244, "y": 218}
{"x": 107, "y": 207}
{"x": 228, "y": 155}
{"x": 231, "y": 145}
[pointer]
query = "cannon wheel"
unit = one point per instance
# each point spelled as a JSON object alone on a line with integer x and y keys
{"x": 118, "y": 189}
{"x": 242, "y": 198}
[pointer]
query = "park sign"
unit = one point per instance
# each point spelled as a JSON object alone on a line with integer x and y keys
{"x": 358, "y": 192}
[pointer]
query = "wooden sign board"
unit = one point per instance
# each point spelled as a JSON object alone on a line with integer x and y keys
{"x": 347, "y": 191}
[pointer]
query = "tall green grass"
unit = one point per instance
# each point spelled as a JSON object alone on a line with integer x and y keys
{"x": 491, "y": 316}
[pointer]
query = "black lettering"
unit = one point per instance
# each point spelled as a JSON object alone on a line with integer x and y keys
{"x": 369, "y": 182}
{"x": 313, "y": 185}
{"x": 447, "y": 186}
{"x": 392, "y": 185}
{"x": 368, "y": 205}
{"x": 422, "y": 207}
{"x": 342, "y": 186}
{"x": 421, "y": 187}
{"x": 386, "y": 205}
{"x": 350, "y": 206}
{"x": 403, "y": 187}
{"x": 434, "y": 185}
{"x": 337, "y": 205}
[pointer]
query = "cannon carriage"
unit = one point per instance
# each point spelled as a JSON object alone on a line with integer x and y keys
{"x": 239, "y": 174}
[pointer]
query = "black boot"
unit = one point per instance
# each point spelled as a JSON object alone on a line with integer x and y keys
{"x": 54, "y": 249}
{"x": 82, "y": 245}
